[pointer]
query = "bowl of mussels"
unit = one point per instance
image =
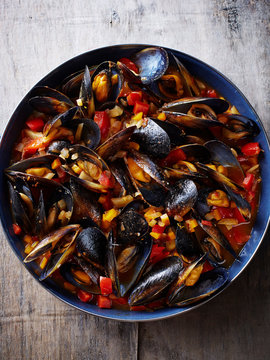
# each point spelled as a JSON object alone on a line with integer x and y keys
{"x": 133, "y": 182}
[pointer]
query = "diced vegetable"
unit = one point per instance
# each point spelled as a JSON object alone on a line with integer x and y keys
{"x": 158, "y": 229}
{"x": 173, "y": 157}
{"x": 140, "y": 107}
{"x": 248, "y": 181}
{"x": 133, "y": 97}
{"x": 35, "y": 124}
{"x": 106, "y": 179}
{"x": 103, "y": 121}
{"x": 104, "y": 302}
{"x": 105, "y": 285}
{"x": 84, "y": 296}
{"x": 16, "y": 228}
{"x": 130, "y": 64}
{"x": 251, "y": 149}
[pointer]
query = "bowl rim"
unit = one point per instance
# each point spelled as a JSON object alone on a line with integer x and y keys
{"x": 136, "y": 316}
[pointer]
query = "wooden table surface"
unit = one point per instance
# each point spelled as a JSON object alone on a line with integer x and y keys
{"x": 231, "y": 35}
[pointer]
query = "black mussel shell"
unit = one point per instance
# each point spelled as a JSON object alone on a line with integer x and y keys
{"x": 85, "y": 204}
{"x": 153, "y": 139}
{"x": 92, "y": 245}
{"x": 56, "y": 146}
{"x": 89, "y": 132}
{"x": 152, "y": 63}
{"x": 152, "y": 284}
{"x": 111, "y": 146}
{"x": 181, "y": 197}
{"x": 209, "y": 282}
{"x": 59, "y": 120}
{"x": 186, "y": 243}
{"x": 119, "y": 171}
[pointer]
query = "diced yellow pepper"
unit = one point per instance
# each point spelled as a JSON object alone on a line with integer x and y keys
{"x": 165, "y": 219}
{"x": 43, "y": 263}
{"x": 56, "y": 163}
{"x": 27, "y": 239}
{"x": 191, "y": 224}
{"x": 161, "y": 116}
{"x": 76, "y": 169}
{"x": 28, "y": 249}
{"x": 155, "y": 235}
{"x": 110, "y": 215}
{"x": 152, "y": 223}
{"x": 170, "y": 244}
{"x": 138, "y": 116}
{"x": 171, "y": 235}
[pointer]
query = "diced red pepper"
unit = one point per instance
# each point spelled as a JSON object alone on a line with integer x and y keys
{"x": 251, "y": 149}
{"x": 173, "y": 157}
{"x": 133, "y": 97}
{"x": 105, "y": 285}
{"x": 158, "y": 229}
{"x": 16, "y": 228}
{"x": 106, "y": 179}
{"x": 140, "y": 107}
{"x": 248, "y": 181}
{"x": 104, "y": 302}
{"x": 32, "y": 146}
{"x": 130, "y": 64}
{"x": 107, "y": 203}
{"x": 211, "y": 93}
{"x": 62, "y": 175}
{"x": 207, "y": 267}
{"x": 239, "y": 236}
{"x": 237, "y": 215}
{"x": 121, "y": 300}
{"x": 138, "y": 308}
{"x": 225, "y": 213}
{"x": 206, "y": 223}
{"x": 103, "y": 121}
{"x": 35, "y": 124}
{"x": 158, "y": 253}
{"x": 84, "y": 296}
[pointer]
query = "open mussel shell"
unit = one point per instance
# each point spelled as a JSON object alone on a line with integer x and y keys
{"x": 184, "y": 105}
{"x": 176, "y": 135}
{"x": 153, "y": 191}
{"x": 152, "y": 63}
{"x": 196, "y": 152}
{"x": 20, "y": 212}
{"x": 127, "y": 263}
{"x": 209, "y": 282}
{"x": 153, "y": 139}
{"x": 218, "y": 177}
{"x": 49, "y": 241}
{"x": 70, "y": 273}
{"x": 155, "y": 281}
{"x": 72, "y": 83}
{"x": 120, "y": 172}
{"x": 241, "y": 203}
{"x": 115, "y": 143}
{"x": 183, "y": 276}
{"x": 20, "y": 168}
{"x": 195, "y": 113}
{"x": 86, "y": 131}
{"x": 92, "y": 245}
{"x": 92, "y": 164}
{"x": 222, "y": 154}
{"x": 49, "y": 101}
{"x": 239, "y": 127}
{"x": 85, "y": 203}
{"x": 59, "y": 120}
{"x": 107, "y": 91}
{"x": 214, "y": 232}
{"x": 60, "y": 254}
{"x": 181, "y": 197}
{"x": 86, "y": 95}
{"x": 213, "y": 250}
{"x": 150, "y": 167}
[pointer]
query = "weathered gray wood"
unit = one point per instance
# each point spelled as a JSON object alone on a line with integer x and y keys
{"x": 36, "y": 36}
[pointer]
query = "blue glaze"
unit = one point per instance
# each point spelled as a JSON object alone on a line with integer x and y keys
{"x": 197, "y": 68}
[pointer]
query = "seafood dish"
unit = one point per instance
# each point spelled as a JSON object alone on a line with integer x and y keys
{"x": 134, "y": 184}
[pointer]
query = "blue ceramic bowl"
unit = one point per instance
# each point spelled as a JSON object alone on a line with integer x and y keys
{"x": 197, "y": 68}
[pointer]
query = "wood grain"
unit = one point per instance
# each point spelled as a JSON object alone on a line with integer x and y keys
{"x": 231, "y": 35}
